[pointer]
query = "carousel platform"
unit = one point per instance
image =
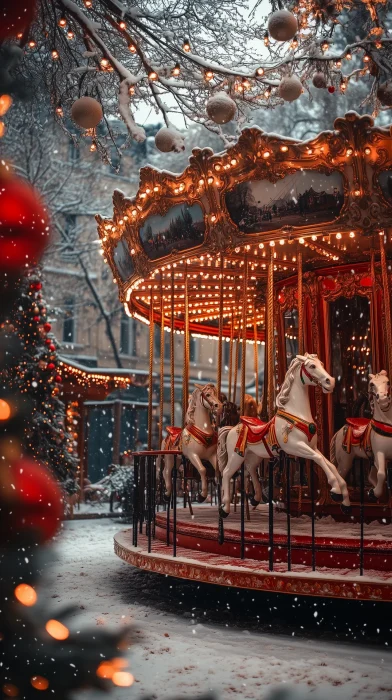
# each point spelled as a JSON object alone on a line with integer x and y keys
{"x": 326, "y": 565}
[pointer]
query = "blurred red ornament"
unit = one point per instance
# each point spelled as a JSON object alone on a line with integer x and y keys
{"x": 52, "y": 347}
{"x": 23, "y": 225}
{"x": 47, "y": 327}
{"x": 16, "y": 16}
{"x": 58, "y": 379}
{"x": 331, "y": 89}
{"x": 36, "y": 318}
{"x": 51, "y": 365}
{"x": 48, "y": 341}
{"x": 38, "y": 285}
{"x": 34, "y": 500}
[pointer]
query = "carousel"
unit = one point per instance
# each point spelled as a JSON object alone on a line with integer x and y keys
{"x": 279, "y": 250}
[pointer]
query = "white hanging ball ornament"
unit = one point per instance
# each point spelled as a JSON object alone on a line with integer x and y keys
{"x": 319, "y": 80}
{"x": 290, "y": 88}
{"x": 221, "y": 108}
{"x": 282, "y": 25}
{"x": 168, "y": 139}
{"x": 384, "y": 93}
{"x": 86, "y": 112}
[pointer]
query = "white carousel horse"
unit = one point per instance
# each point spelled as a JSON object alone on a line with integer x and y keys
{"x": 291, "y": 429}
{"x": 368, "y": 439}
{"x": 198, "y": 439}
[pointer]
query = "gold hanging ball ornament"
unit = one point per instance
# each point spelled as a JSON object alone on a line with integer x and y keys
{"x": 168, "y": 139}
{"x": 384, "y": 93}
{"x": 221, "y": 108}
{"x": 290, "y": 88}
{"x": 319, "y": 80}
{"x": 282, "y": 25}
{"x": 86, "y": 112}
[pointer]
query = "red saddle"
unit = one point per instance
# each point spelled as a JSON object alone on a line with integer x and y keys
{"x": 358, "y": 425}
{"x": 173, "y": 430}
{"x": 255, "y": 426}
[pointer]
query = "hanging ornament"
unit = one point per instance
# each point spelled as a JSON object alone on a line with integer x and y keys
{"x": 51, "y": 366}
{"x": 221, "y": 108}
{"x": 16, "y": 16}
{"x": 47, "y": 327}
{"x": 331, "y": 89}
{"x": 52, "y": 347}
{"x": 169, "y": 139}
{"x": 58, "y": 379}
{"x": 282, "y": 25}
{"x": 86, "y": 112}
{"x": 33, "y": 500}
{"x": 384, "y": 93}
{"x": 24, "y": 230}
{"x": 319, "y": 80}
{"x": 290, "y": 88}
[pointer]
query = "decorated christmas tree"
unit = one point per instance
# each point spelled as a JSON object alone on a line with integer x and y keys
{"x": 37, "y": 377}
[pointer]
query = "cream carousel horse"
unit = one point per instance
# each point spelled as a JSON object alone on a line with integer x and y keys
{"x": 291, "y": 429}
{"x": 198, "y": 439}
{"x": 368, "y": 439}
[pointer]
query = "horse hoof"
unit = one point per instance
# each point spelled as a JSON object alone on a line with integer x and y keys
{"x": 253, "y": 502}
{"x": 167, "y": 497}
{"x": 222, "y": 512}
{"x": 346, "y": 510}
{"x": 372, "y": 496}
{"x": 337, "y": 497}
{"x": 200, "y": 498}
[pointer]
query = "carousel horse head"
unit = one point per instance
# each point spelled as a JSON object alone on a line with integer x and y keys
{"x": 208, "y": 397}
{"x": 380, "y": 390}
{"x": 230, "y": 413}
{"x": 311, "y": 373}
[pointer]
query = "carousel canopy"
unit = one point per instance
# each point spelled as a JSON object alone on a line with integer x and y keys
{"x": 198, "y": 247}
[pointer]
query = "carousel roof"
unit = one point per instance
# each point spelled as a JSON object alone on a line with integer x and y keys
{"x": 205, "y": 239}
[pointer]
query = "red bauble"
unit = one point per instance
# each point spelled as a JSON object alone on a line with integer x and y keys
{"x": 331, "y": 89}
{"x": 23, "y": 224}
{"x": 47, "y": 327}
{"x": 16, "y": 16}
{"x": 48, "y": 341}
{"x": 58, "y": 379}
{"x": 51, "y": 366}
{"x": 52, "y": 347}
{"x": 36, "y": 319}
{"x": 38, "y": 285}
{"x": 33, "y": 502}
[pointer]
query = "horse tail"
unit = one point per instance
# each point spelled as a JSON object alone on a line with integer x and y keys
{"x": 332, "y": 450}
{"x": 222, "y": 447}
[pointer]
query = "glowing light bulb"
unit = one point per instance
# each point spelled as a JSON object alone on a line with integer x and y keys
{"x": 25, "y": 594}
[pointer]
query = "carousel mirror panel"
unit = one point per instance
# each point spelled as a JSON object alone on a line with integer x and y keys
{"x": 123, "y": 260}
{"x": 182, "y": 227}
{"x": 351, "y": 357}
{"x": 291, "y": 334}
{"x": 385, "y": 179}
{"x": 304, "y": 198}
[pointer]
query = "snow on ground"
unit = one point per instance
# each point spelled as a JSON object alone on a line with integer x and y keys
{"x": 195, "y": 638}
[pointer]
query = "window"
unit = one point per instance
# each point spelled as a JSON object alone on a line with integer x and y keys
{"x": 128, "y": 335}
{"x": 157, "y": 343}
{"x": 226, "y": 354}
{"x": 69, "y": 320}
{"x": 68, "y": 243}
{"x": 192, "y": 349}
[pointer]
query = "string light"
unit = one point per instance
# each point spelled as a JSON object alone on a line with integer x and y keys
{"x": 186, "y": 46}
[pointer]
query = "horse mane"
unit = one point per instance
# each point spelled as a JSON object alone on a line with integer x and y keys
{"x": 250, "y": 406}
{"x": 192, "y": 403}
{"x": 284, "y": 393}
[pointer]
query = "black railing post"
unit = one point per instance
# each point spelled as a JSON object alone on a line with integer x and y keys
{"x": 154, "y": 491}
{"x": 148, "y": 461}
{"x": 135, "y": 515}
{"x": 361, "y": 515}
{"x": 312, "y": 467}
{"x": 142, "y": 486}
{"x": 271, "y": 513}
{"x": 288, "y": 507}
{"x": 242, "y": 485}
{"x": 175, "y": 507}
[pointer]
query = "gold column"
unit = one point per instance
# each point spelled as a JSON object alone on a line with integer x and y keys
{"x": 374, "y": 325}
{"x": 219, "y": 369}
{"x": 172, "y": 397}
{"x": 161, "y": 368}
{"x": 150, "y": 366}
{"x": 270, "y": 336}
{"x": 300, "y": 305}
{"x": 231, "y": 355}
{"x": 244, "y": 315}
{"x": 387, "y": 305}
{"x": 256, "y": 357}
{"x": 185, "y": 384}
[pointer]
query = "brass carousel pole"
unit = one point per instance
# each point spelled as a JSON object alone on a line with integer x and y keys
{"x": 243, "y": 356}
{"x": 387, "y": 305}
{"x": 219, "y": 370}
{"x": 185, "y": 385}
{"x": 172, "y": 395}
{"x": 150, "y": 366}
{"x": 237, "y": 347}
{"x": 270, "y": 335}
{"x": 231, "y": 355}
{"x": 300, "y": 304}
{"x": 256, "y": 357}
{"x": 161, "y": 368}
{"x": 374, "y": 327}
